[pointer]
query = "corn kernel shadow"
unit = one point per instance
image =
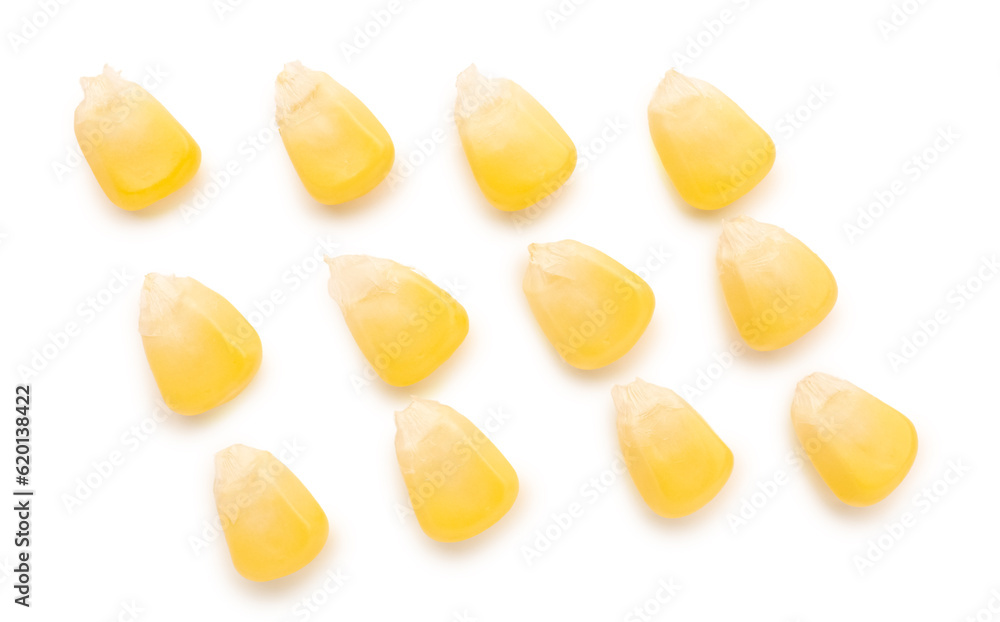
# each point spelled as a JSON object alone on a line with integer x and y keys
{"x": 429, "y": 386}
{"x": 306, "y": 576}
{"x": 348, "y": 209}
{"x": 763, "y": 192}
{"x": 165, "y": 205}
{"x": 873, "y": 514}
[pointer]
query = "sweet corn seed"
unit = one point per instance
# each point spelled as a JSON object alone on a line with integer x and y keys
{"x": 713, "y": 152}
{"x": 458, "y": 481}
{"x": 518, "y": 153}
{"x": 137, "y": 150}
{"x": 861, "y": 446}
{"x": 201, "y": 351}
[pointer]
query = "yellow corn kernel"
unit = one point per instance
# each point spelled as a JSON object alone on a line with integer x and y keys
{"x": 138, "y": 152}
{"x": 201, "y": 350}
{"x": 676, "y": 460}
{"x": 405, "y": 325}
{"x": 458, "y": 481}
{"x": 518, "y": 153}
{"x": 337, "y": 146}
{"x": 591, "y": 308}
{"x": 861, "y": 446}
{"x": 712, "y": 150}
{"x": 776, "y": 288}
{"x": 272, "y": 523}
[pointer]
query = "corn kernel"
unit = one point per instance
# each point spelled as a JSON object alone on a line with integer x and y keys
{"x": 518, "y": 153}
{"x": 861, "y": 446}
{"x": 201, "y": 350}
{"x": 676, "y": 460}
{"x": 713, "y": 152}
{"x": 138, "y": 152}
{"x": 591, "y": 308}
{"x": 405, "y": 325}
{"x": 776, "y": 288}
{"x": 337, "y": 146}
{"x": 458, "y": 481}
{"x": 272, "y": 523}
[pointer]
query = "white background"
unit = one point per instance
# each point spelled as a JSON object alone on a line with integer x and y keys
{"x": 130, "y": 540}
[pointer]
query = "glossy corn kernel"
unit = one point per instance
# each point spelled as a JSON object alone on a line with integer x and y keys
{"x": 713, "y": 152}
{"x": 138, "y": 152}
{"x": 776, "y": 288}
{"x": 272, "y": 523}
{"x": 591, "y": 308}
{"x": 518, "y": 153}
{"x": 405, "y": 325}
{"x": 861, "y": 446}
{"x": 458, "y": 481}
{"x": 201, "y": 350}
{"x": 676, "y": 460}
{"x": 337, "y": 146}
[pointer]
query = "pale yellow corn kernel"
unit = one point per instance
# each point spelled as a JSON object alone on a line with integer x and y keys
{"x": 137, "y": 150}
{"x": 591, "y": 308}
{"x": 337, "y": 146}
{"x": 272, "y": 523}
{"x": 713, "y": 152}
{"x": 201, "y": 351}
{"x": 458, "y": 481}
{"x": 776, "y": 288}
{"x": 676, "y": 460}
{"x": 861, "y": 446}
{"x": 405, "y": 325}
{"x": 518, "y": 153}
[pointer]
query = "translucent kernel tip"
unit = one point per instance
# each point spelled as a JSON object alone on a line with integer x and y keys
{"x": 353, "y": 277}
{"x": 414, "y": 422}
{"x": 233, "y": 464}
{"x": 293, "y": 86}
{"x": 640, "y": 397}
{"x": 104, "y": 89}
{"x": 156, "y": 301}
{"x": 815, "y": 390}
{"x": 545, "y": 256}
{"x": 675, "y": 87}
{"x": 743, "y": 233}
{"x": 477, "y": 91}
